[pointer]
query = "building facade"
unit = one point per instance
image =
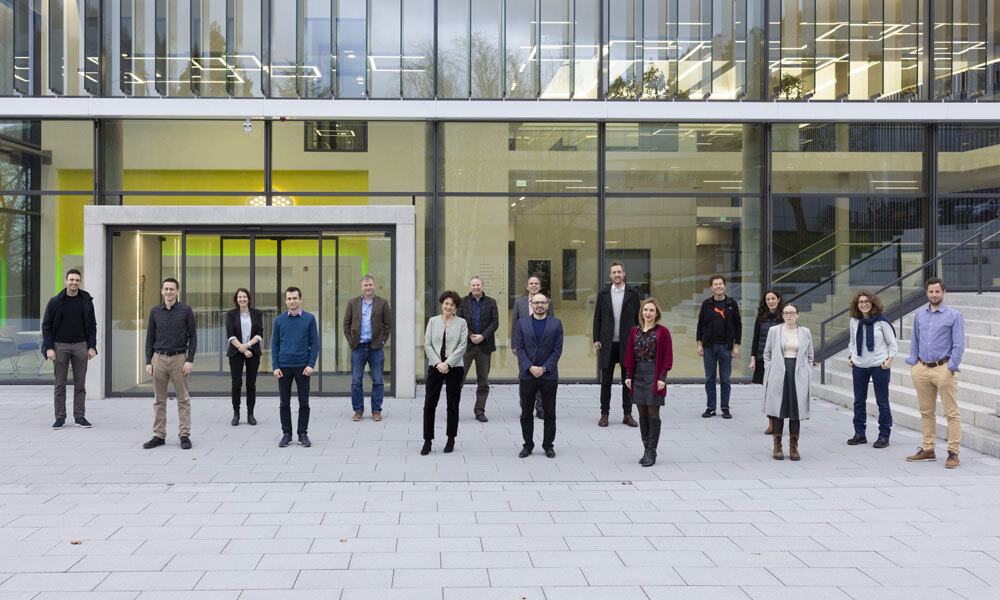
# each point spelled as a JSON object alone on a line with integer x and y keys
{"x": 811, "y": 146}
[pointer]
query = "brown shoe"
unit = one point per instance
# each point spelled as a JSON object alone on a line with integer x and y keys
{"x": 357, "y": 416}
{"x": 603, "y": 422}
{"x": 952, "y": 462}
{"x": 777, "y": 454}
{"x": 793, "y": 447}
{"x": 628, "y": 420}
{"x": 922, "y": 455}
{"x": 770, "y": 426}
{"x": 376, "y": 416}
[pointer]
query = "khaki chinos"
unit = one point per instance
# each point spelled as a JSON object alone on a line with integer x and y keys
{"x": 167, "y": 369}
{"x": 928, "y": 383}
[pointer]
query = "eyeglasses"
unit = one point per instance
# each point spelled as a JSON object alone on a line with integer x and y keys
{"x": 864, "y": 301}
{"x": 789, "y": 313}
{"x": 543, "y": 303}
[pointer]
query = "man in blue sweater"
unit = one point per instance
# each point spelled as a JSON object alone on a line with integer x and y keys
{"x": 294, "y": 348}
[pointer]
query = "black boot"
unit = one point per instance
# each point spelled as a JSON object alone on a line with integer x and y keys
{"x": 250, "y": 419}
{"x": 236, "y": 417}
{"x": 654, "y": 441}
{"x": 644, "y": 432}
{"x": 251, "y": 402}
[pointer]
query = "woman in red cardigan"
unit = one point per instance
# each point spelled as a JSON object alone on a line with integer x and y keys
{"x": 648, "y": 356}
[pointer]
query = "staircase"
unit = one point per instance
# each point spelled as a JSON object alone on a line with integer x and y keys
{"x": 978, "y": 390}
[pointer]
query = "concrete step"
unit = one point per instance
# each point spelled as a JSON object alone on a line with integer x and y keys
{"x": 986, "y": 300}
{"x": 971, "y": 326}
{"x": 973, "y": 413}
{"x": 972, "y": 356}
{"x": 976, "y": 438}
{"x": 986, "y": 396}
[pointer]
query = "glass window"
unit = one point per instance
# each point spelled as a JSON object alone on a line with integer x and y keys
{"x": 352, "y": 56}
{"x": 395, "y": 157}
{"x": 503, "y": 240}
{"x": 315, "y": 70}
{"x": 181, "y": 156}
{"x": 904, "y": 42}
{"x": 209, "y": 67}
{"x": 623, "y": 64}
{"x": 244, "y": 60}
{"x": 20, "y": 305}
{"x": 670, "y": 247}
{"x": 519, "y": 157}
{"x": 454, "y": 21}
{"x": 485, "y": 52}
{"x": 586, "y": 22}
{"x": 418, "y": 43}
{"x": 555, "y": 49}
{"x": 968, "y": 159}
{"x": 176, "y": 22}
{"x": 138, "y": 52}
{"x": 847, "y": 158}
{"x": 284, "y": 41}
{"x": 671, "y": 157}
{"x": 521, "y": 58}
{"x": 833, "y": 48}
{"x": 385, "y": 62}
{"x": 46, "y": 155}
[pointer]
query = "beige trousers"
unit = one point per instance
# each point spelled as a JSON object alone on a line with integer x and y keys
{"x": 929, "y": 382}
{"x": 166, "y": 369}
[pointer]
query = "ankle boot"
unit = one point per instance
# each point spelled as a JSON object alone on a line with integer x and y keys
{"x": 236, "y": 417}
{"x": 251, "y": 402}
{"x": 449, "y": 446}
{"x": 793, "y": 447}
{"x": 652, "y": 443}
{"x": 777, "y": 454}
{"x": 250, "y": 418}
{"x": 770, "y": 426}
{"x": 426, "y": 448}
{"x": 644, "y": 432}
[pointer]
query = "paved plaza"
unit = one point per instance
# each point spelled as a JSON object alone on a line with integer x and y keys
{"x": 90, "y": 514}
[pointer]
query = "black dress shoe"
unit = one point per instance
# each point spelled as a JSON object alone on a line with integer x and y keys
{"x": 185, "y": 442}
{"x": 550, "y": 453}
{"x": 250, "y": 419}
{"x": 154, "y": 442}
{"x": 481, "y": 418}
{"x": 449, "y": 446}
{"x": 304, "y": 441}
{"x": 524, "y": 452}
{"x": 858, "y": 439}
{"x": 285, "y": 440}
{"x": 539, "y": 414}
{"x": 725, "y": 414}
{"x": 426, "y": 449}
{"x": 708, "y": 413}
{"x": 236, "y": 418}
{"x": 881, "y": 443}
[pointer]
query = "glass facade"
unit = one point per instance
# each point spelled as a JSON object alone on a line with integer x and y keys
{"x": 855, "y": 50}
{"x": 812, "y": 209}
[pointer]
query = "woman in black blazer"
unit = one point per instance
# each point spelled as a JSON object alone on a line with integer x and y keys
{"x": 245, "y": 331}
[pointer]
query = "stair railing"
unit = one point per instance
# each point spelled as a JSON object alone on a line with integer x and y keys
{"x": 903, "y": 306}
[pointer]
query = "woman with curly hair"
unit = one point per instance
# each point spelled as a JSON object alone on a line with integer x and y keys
{"x": 872, "y": 347}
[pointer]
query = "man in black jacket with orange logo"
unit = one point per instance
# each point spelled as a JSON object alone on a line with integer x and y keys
{"x": 718, "y": 335}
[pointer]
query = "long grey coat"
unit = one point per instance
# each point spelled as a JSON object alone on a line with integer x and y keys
{"x": 774, "y": 370}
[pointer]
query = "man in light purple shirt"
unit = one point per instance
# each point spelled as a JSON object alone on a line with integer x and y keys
{"x": 936, "y": 348}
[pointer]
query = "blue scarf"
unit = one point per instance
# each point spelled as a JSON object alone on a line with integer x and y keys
{"x": 866, "y": 329}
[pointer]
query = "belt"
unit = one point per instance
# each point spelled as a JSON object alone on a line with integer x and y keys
{"x": 171, "y": 353}
{"x": 931, "y": 365}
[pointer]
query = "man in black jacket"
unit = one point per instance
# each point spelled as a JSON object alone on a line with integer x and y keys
{"x": 69, "y": 336}
{"x": 718, "y": 336}
{"x": 481, "y": 314}
{"x": 616, "y": 313}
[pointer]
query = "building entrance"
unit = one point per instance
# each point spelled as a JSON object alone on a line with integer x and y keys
{"x": 211, "y": 263}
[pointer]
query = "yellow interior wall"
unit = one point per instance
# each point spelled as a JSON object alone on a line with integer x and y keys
{"x": 69, "y": 236}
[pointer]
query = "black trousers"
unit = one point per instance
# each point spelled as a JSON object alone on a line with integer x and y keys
{"x": 452, "y": 380}
{"x": 236, "y": 363}
{"x": 607, "y": 378}
{"x": 528, "y": 389}
{"x": 290, "y": 374}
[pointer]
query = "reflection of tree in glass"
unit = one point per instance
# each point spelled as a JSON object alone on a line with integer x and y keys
{"x": 790, "y": 87}
{"x": 454, "y": 67}
{"x": 655, "y": 86}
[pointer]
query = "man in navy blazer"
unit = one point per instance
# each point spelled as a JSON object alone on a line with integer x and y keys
{"x": 538, "y": 340}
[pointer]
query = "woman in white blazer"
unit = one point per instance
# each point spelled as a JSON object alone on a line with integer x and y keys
{"x": 788, "y": 359}
{"x": 445, "y": 340}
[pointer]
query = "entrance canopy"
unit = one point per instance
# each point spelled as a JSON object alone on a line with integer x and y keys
{"x": 102, "y": 266}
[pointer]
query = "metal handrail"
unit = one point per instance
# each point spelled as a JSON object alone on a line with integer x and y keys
{"x": 823, "y": 282}
{"x": 978, "y": 238}
{"x": 834, "y": 248}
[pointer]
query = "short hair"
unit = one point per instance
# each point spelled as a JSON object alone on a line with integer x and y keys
{"x": 475, "y": 277}
{"x": 877, "y": 306}
{"x": 73, "y": 271}
{"x": 237, "y": 293}
{"x": 450, "y": 294}
{"x": 616, "y": 263}
{"x": 934, "y": 280}
{"x": 533, "y": 275}
{"x": 656, "y": 305}
{"x": 715, "y": 276}
{"x": 292, "y": 288}
{"x": 170, "y": 280}
{"x": 366, "y": 276}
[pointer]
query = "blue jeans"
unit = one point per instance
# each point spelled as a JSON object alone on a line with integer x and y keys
{"x": 880, "y": 380}
{"x": 375, "y": 359}
{"x": 718, "y": 354}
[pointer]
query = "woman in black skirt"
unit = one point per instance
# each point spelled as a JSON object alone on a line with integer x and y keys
{"x": 788, "y": 359}
{"x": 649, "y": 356}
{"x": 768, "y": 315}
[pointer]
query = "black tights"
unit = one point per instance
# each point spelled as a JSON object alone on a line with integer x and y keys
{"x": 793, "y": 426}
{"x": 650, "y": 412}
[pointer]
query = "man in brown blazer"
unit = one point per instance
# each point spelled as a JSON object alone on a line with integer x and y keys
{"x": 367, "y": 326}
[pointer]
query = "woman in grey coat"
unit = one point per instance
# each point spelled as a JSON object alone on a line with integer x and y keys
{"x": 788, "y": 359}
{"x": 445, "y": 341}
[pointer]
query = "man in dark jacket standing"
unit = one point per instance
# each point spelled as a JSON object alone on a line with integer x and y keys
{"x": 69, "y": 336}
{"x": 718, "y": 336}
{"x": 616, "y": 313}
{"x": 481, "y": 314}
{"x": 367, "y": 327}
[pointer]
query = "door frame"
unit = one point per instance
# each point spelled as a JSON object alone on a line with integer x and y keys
{"x": 400, "y": 221}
